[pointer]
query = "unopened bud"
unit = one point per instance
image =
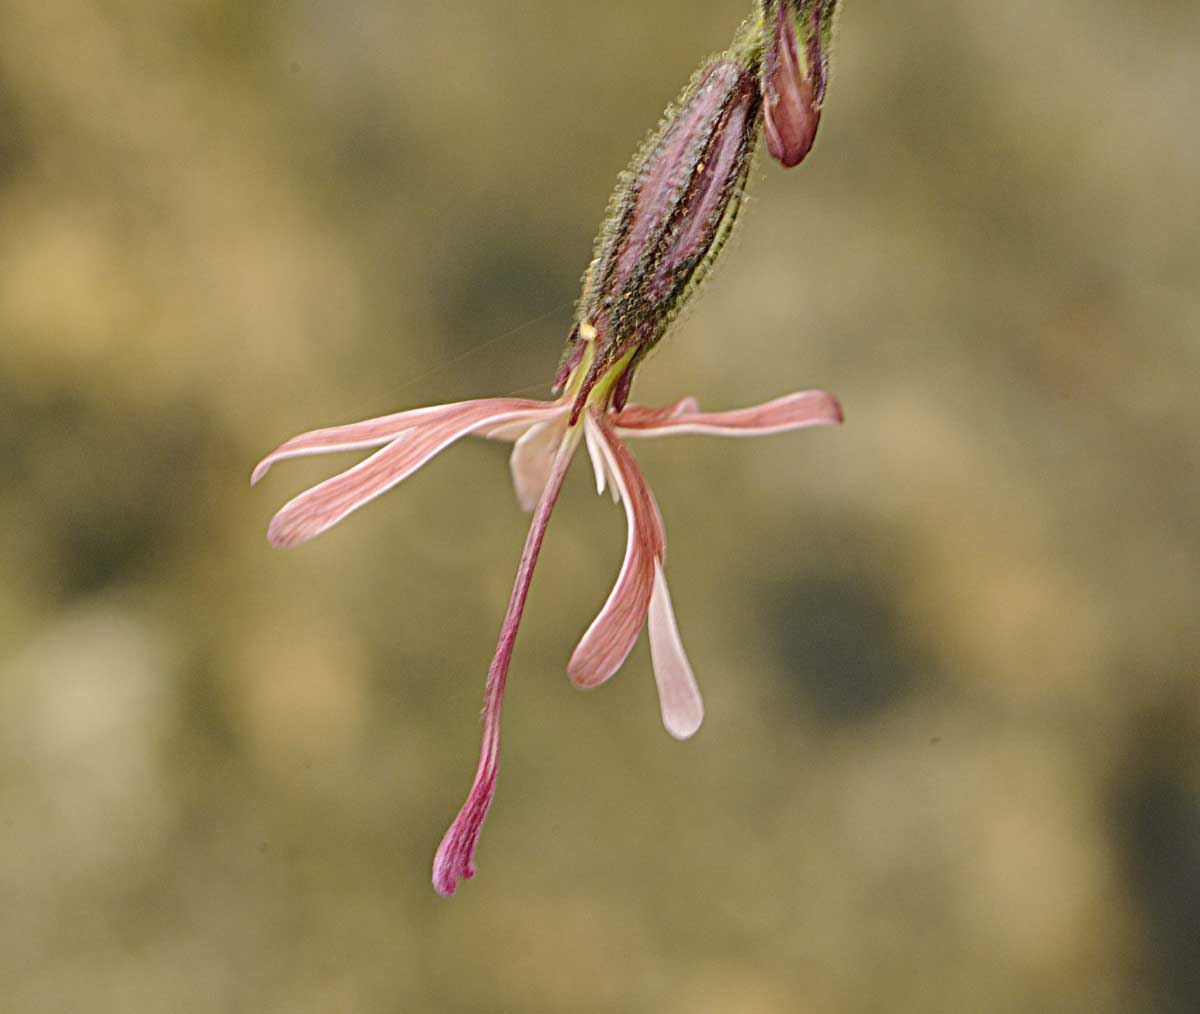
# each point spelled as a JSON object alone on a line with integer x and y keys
{"x": 795, "y": 70}
{"x": 667, "y": 221}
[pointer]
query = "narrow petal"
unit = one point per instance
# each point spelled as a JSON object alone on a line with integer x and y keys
{"x": 374, "y": 432}
{"x": 678, "y": 696}
{"x": 607, "y": 642}
{"x": 455, "y": 858}
{"x": 596, "y": 457}
{"x": 323, "y": 506}
{"x": 599, "y": 467}
{"x": 532, "y": 458}
{"x": 791, "y": 412}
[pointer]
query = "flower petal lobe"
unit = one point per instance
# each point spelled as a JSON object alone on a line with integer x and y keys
{"x": 323, "y": 506}
{"x": 531, "y": 460}
{"x": 678, "y": 695}
{"x": 791, "y": 412}
{"x": 607, "y": 642}
{"x": 386, "y": 428}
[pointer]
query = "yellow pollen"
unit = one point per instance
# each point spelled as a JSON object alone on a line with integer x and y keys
{"x": 587, "y": 332}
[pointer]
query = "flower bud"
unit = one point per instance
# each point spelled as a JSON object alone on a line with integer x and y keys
{"x": 667, "y": 222}
{"x": 795, "y": 69}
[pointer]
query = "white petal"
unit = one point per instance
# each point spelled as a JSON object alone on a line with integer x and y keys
{"x": 594, "y": 453}
{"x": 678, "y": 695}
{"x": 599, "y": 462}
{"x": 531, "y": 460}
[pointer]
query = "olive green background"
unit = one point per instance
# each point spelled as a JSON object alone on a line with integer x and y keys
{"x": 949, "y": 651}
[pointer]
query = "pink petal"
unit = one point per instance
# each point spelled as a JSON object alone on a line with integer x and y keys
{"x": 641, "y": 417}
{"x": 455, "y": 858}
{"x": 369, "y": 433}
{"x": 382, "y": 430}
{"x": 372, "y": 432}
{"x": 531, "y": 461}
{"x": 793, "y": 411}
{"x": 607, "y": 642}
{"x": 323, "y": 506}
{"x": 509, "y": 432}
{"x": 678, "y": 696}
{"x": 514, "y": 429}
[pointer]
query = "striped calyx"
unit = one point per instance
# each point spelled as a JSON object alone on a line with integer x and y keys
{"x": 669, "y": 218}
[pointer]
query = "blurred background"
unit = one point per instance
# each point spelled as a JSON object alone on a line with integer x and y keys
{"x": 949, "y": 651}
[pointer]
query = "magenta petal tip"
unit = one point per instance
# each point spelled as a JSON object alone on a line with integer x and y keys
{"x": 447, "y": 874}
{"x": 455, "y": 858}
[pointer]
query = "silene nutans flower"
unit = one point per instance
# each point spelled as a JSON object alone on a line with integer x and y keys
{"x": 795, "y": 71}
{"x": 668, "y": 220}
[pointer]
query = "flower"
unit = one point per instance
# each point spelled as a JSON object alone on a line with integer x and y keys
{"x": 544, "y": 441}
{"x": 667, "y": 222}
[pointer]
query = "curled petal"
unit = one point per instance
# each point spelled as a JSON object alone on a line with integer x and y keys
{"x": 384, "y": 429}
{"x": 678, "y": 696}
{"x": 607, "y": 642}
{"x": 791, "y": 412}
{"x": 323, "y": 506}
{"x": 455, "y": 858}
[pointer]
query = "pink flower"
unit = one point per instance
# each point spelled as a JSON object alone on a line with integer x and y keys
{"x": 544, "y": 443}
{"x": 668, "y": 220}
